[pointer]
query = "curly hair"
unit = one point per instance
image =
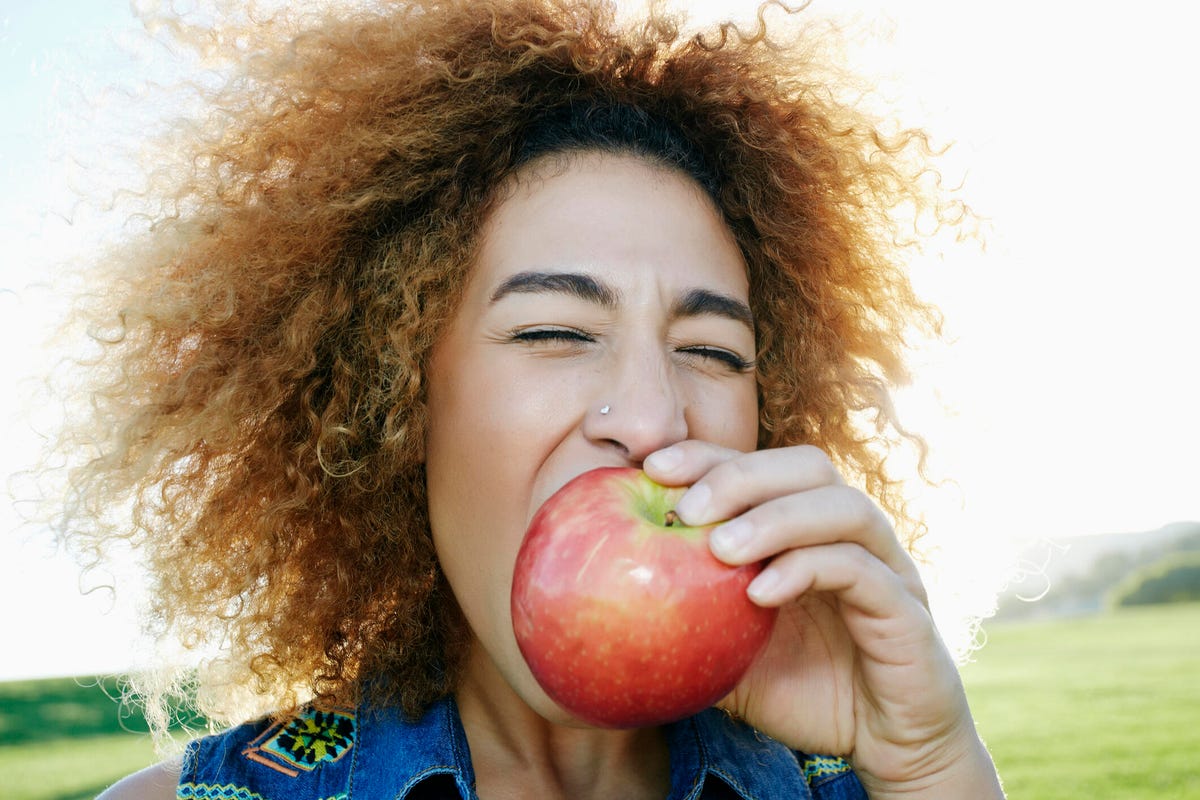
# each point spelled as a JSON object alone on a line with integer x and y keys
{"x": 260, "y": 400}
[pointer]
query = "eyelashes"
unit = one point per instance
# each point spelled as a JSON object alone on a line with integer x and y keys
{"x": 574, "y": 337}
{"x": 550, "y": 335}
{"x": 726, "y": 357}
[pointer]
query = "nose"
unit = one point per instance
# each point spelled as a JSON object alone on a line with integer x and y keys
{"x": 638, "y": 407}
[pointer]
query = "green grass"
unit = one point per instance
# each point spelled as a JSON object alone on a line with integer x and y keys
{"x": 58, "y": 708}
{"x": 1102, "y": 708}
{"x": 67, "y": 739}
{"x": 74, "y": 768}
{"x": 1099, "y": 707}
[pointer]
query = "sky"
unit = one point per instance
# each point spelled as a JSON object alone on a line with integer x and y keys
{"x": 1061, "y": 403}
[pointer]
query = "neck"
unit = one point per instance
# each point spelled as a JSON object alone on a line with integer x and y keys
{"x": 516, "y": 752}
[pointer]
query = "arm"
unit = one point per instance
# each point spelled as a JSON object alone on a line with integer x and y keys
{"x": 157, "y": 782}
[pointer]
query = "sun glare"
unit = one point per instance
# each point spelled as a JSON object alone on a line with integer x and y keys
{"x": 1061, "y": 401}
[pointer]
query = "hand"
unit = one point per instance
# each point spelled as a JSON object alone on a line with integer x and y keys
{"x": 855, "y": 666}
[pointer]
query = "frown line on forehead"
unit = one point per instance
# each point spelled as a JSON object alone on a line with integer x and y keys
{"x": 693, "y": 303}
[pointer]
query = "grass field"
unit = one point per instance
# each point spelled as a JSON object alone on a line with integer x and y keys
{"x": 1099, "y": 707}
{"x": 65, "y": 739}
{"x": 1102, "y": 708}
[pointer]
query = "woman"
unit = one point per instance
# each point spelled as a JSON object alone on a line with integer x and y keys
{"x": 433, "y": 262}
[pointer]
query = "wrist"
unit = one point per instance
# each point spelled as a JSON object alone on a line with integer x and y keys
{"x": 968, "y": 774}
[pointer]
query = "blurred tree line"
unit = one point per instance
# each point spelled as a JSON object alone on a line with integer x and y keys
{"x": 1161, "y": 572}
{"x": 1174, "y": 579}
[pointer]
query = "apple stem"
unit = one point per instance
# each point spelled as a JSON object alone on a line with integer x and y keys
{"x": 671, "y": 517}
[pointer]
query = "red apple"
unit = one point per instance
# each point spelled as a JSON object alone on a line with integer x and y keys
{"x": 624, "y": 616}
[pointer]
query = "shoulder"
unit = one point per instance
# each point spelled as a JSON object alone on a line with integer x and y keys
{"x": 157, "y": 782}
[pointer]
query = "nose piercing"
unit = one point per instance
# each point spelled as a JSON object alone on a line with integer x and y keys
{"x": 605, "y": 410}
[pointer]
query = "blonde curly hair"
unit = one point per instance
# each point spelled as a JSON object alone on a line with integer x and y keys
{"x": 259, "y": 396}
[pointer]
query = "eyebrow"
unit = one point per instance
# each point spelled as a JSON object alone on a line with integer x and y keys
{"x": 699, "y": 302}
{"x": 696, "y": 303}
{"x": 578, "y": 284}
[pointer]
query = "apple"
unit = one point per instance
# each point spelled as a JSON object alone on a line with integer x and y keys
{"x": 622, "y": 613}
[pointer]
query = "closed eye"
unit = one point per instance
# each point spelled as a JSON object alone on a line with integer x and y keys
{"x": 726, "y": 358}
{"x": 550, "y": 335}
{"x": 572, "y": 336}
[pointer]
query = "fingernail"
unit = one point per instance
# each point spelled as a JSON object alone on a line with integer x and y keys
{"x": 665, "y": 460}
{"x": 762, "y": 588}
{"x": 693, "y": 505}
{"x": 728, "y": 539}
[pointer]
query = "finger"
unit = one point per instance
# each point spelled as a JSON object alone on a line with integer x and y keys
{"x": 684, "y": 463}
{"x": 735, "y": 484}
{"x": 900, "y": 659}
{"x": 890, "y": 628}
{"x": 818, "y": 516}
{"x": 858, "y": 579}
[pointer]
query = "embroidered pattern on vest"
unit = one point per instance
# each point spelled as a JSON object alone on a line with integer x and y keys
{"x": 228, "y": 791}
{"x": 821, "y": 766}
{"x": 304, "y": 742}
{"x": 209, "y": 791}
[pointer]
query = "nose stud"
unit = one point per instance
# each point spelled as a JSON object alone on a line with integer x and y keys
{"x": 605, "y": 410}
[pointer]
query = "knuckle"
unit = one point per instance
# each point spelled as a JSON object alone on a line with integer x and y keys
{"x": 860, "y": 558}
{"x": 822, "y": 466}
{"x": 771, "y": 516}
{"x": 739, "y": 471}
{"x": 854, "y": 504}
{"x": 730, "y": 476}
{"x": 699, "y": 460}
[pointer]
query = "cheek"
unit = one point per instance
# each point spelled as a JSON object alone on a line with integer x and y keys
{"x": 728, "y": 418}
{"x": 471, "y": 511}
{"x": 490, "y": 430}
{"x": 465, "y": 450}
{"x": 490, "y": 434}
{"x": 489, "y": 427}
{"x": 747, "y": 415}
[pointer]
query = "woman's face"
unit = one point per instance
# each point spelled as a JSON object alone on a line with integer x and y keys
{"x": 607, "y": 283}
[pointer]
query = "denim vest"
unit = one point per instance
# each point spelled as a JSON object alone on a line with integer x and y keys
{"x": 375, "y": 754}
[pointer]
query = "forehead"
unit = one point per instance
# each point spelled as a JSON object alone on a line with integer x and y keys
{"x": 612, "y": 215}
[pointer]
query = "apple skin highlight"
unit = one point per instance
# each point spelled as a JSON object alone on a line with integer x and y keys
{"x": 626, "y": 621}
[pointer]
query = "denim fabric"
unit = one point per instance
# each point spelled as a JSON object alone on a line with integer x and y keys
{"x": 375, "y": 754}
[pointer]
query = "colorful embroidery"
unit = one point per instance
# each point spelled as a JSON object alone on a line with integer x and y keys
{"x": 305, "y": 741}
{"x": 821, "y": 766}
{"x": 208, "y": 791}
